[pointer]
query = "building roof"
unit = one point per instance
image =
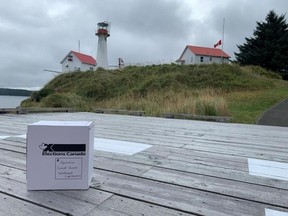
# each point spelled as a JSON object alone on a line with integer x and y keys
{"x": 206, "y": 51}
{"x": 87, "y": 59}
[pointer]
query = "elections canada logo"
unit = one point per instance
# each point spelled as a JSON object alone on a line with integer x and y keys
{"x": 63, "y": 149}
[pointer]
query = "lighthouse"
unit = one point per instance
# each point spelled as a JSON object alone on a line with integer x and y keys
{"x": 103, "y": 32}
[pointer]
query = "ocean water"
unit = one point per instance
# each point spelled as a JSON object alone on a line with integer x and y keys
{"x": 11, "y": 101}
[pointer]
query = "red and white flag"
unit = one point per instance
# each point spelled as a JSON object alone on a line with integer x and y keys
{"x": 218, "y": 43}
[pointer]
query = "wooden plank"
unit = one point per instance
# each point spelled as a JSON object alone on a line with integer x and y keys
{"x": 217, "y": 185}
{"x": 90, "y": 196}
{"x": 192, "y": 167}
{"x": 10, "y": 131}
{"x": 198, "y": 168}
{"x": 187, "y": 153}
{"x": 100, "y": 197}
{"x": 18, "y": 160}
{"x": 253, "y": 192}
{"x": 127, "y": 126}
{"x": 248, "y": 153}
{"x": 233, "y": 143}
{"x": 95, "y": 200}
{"x": 233, "y": 188}
{"x": 121, "y": 166}
{"x": 50, "y": 110}
{"x": 5, "y": 146}
{"x": 240, "y": 165}
{"x": 216, "y": 172}
{"x": 125, "y": 206}
{"x": 203, "y": 182}
{"x": 128, "y": 129}
{"x": 16, "y": 207}
{"x": 202, "y": 144}
{"x": 105, "y": 211}
{"x": 57, "y": 202}
{"x": 13, "y": 159}
{"x": 179, "y": 198}
{"x": 245, "y": 139}
{"x": 19, "y": 142}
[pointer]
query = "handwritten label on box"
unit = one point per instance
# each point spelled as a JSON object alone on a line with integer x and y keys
{"x": 68, "y": 168}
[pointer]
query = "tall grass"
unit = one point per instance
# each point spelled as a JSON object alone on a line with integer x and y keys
{"x": 203, "y": 102}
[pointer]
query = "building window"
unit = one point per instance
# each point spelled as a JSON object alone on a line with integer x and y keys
{"x": 210, "y": 58}
{"x": 76, "y": 68}
{"x": 201, "y": 59}
{"x": 192, "y": 59}
{"x": 91, "y": 69}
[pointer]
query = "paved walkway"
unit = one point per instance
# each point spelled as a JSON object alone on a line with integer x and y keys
{"x": 275, "y": 116}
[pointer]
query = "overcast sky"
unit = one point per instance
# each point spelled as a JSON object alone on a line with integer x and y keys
{"x": 37, "y": 34}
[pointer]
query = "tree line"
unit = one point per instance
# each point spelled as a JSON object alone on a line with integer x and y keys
{"x": 268, "y": 47}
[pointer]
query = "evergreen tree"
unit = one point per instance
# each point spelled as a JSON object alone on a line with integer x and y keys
{"x": 269, "y": 46}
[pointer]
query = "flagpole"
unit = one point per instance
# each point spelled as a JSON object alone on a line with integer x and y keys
{"x": 223, "y": 38}
{"x": 223, "y": 33}
{"x": 78, "y": 45}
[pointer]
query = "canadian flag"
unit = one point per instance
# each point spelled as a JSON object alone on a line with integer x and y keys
{"x": 218, "y": 43}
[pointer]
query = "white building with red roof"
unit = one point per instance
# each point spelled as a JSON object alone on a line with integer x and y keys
{"x": 202, "y": 55}
{"x": 76, "y": 61}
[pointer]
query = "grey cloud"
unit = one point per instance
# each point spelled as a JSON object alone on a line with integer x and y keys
{"x": 36, "y": 35}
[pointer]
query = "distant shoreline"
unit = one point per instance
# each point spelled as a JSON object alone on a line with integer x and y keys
{"x": 15, "y": 92}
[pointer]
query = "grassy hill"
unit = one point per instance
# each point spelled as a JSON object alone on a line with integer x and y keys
{"x": 229, "y": 90}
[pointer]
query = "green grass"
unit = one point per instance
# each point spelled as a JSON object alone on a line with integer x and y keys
{"x": 247, "y": 107}
{"x": 241, "y": 92}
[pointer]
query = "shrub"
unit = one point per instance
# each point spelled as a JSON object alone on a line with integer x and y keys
{"x": 37, "y": 96}
{"x": 63, "y": 100}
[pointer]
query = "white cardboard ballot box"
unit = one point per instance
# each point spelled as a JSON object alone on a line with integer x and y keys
{"x": 59, "y": 155}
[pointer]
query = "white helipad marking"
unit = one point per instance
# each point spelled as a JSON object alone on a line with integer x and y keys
{"x": 117, "y": 146}
{"x": 269, "y": 169}
{"x": 21, "y": 136}
{"x": 269, "y": 212}
{"x": 109, "y": 145}
{"x": 3, "y": 137}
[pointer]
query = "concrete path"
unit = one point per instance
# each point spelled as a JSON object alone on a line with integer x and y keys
{"x": 275, "y": 116}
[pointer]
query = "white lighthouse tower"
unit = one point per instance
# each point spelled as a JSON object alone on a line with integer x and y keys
{"x": 103, "y": 32}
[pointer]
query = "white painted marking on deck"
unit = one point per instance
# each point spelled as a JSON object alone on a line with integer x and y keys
{"x": 269, "y": 169}
{"x": 117, "y": 146}
{"x": 3, "y": 137}
{"x": 21, "y": 136}
{"x": 108, "y": 145}
{"x": 270, "y": 212}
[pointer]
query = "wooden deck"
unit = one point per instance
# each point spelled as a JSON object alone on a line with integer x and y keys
{"x": 192, "y": 168}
